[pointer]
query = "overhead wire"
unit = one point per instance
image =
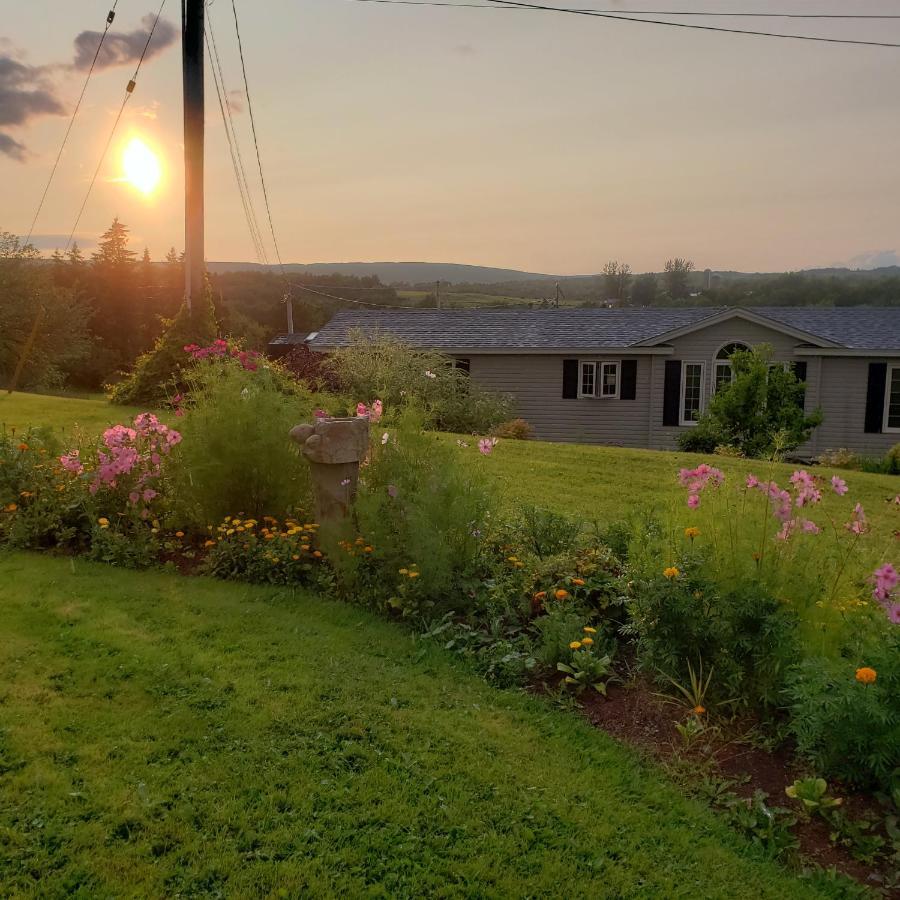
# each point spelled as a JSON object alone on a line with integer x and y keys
{"x": 655, "y": 12}
{"x": 129, "y": 89}
{"x": 616, "y": 16}
{"x": 110, "y": 16}
{"x": 237, "y": 161}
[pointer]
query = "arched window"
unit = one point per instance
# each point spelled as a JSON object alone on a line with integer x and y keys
{"x": 722, "y": 362}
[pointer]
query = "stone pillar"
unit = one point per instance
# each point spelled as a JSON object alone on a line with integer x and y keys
{"x": 334, "y": 449}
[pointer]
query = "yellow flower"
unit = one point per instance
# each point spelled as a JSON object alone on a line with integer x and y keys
{"x": 414, "y": 574}
{"x": 865, "y": 675}
{"x": 304, "y": 546}
{"x": 691, "y": 532}
{"x": 589, "y": 630}
{"x": 561, "y": 594}
{"x": 403, "y": 571}
{"x": 368, "y": 549}
{"x": 575, "y": 645}
{"x": 671, "y": 572}
{"x": 230, "y": 532}
{"x": 578, "y": 581}
{"x": 587, "y": 641}
{"x": 103, "y": 522}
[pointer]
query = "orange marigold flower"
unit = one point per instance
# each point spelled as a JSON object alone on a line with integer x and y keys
{"x": 865, "y": 675}
{"x": 179, "y": 534}
{"x": 317, "y": 554}
{"x": 210, "y": 544}
{"x": 691, "y": 532}
{"x": 587, "y": 641}
{"x": 11, "y": 507}
{"x": 589, "y": 630}
{"x": 23, "y": 447}
{"x": 699, "y": 710}
{"x": 671, "y": 572}
{"x": 578, "y": 581}
{"x": 540, "y": 595}
{"x": 575, "y": 645}
{"x": 561, "y": 594}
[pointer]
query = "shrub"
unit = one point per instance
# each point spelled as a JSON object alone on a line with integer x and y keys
{"x": 514, "y": 429}
{"x": 237, "y": 456}
{"x": 848, "y": 728}
{"x": 421, "y": 512}
{"x": 840, "y": 459}
{"x": 542, "y": 532}
{"x": 562, "y": 625}
{"x": 157, "y": 374}
{"x": 446, "y": 398}
{"x": 760, "y": 412}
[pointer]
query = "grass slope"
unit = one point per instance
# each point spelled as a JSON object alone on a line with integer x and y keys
{"x": 91, "y": 414}
{"x": 168, "y": 736}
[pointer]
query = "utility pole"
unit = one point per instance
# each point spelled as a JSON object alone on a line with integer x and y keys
{"x": 556, "y": 302}
{"x": 437, "y": 294}
{"x": 192, "y": 63}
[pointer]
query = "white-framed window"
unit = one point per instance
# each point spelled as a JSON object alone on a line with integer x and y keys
{"x": 892, "y": 399}
{"x": 609, "y": 380}
{"x": 587, "y": 379}
{"x": 691, "y": 392}
{"x": 723, "y": 374}
{"x": 598, "y": 379}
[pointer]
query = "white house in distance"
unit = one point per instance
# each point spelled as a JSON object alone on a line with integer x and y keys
{"x": 639, "y": 377}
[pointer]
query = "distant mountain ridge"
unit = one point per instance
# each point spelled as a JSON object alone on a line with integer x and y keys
{"x": 459, "y": 273}
{"x": 393, "y": 272}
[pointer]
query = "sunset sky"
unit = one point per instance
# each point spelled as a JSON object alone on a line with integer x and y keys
{"x": 522, "y": 139}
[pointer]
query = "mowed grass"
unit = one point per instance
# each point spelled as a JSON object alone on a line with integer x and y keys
{"x": 64, "y": 414}
{"x": 164, "y": 736}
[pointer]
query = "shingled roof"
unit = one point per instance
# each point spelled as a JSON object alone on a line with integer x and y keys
{"x": 546, "y": 330}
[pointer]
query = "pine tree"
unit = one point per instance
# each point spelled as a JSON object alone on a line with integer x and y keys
{"x": 113, "y": 246}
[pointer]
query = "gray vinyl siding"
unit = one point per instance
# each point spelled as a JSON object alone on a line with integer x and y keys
{"x": 535, "y": 381}
{"x": 844, "y": 382}
{"x": 836, "y": 384}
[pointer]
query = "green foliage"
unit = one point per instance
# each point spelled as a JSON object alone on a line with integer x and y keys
{"x": 767, "y": 826}
{"x": 760, "y": 412}
{"x": 159, "y": 373}
{"x": 383, "y": 369}
{"x": 849, "y": 730}
{"x": 543, "y": 532}
{"x": 421, "y": 508}
{"x": 813, "y": 794}
{"x": 561, "y": 625}
{"x": 27, "y": 291}
{"x": 743, "y": 633}
{"x": 236, "y": 456}
{"x": 586, "y": 668}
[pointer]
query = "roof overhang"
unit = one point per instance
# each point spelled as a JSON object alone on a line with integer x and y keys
{"x": 846, "y": 351}
{"x": 747, "y": 315}
{"x": 527, "y": 351}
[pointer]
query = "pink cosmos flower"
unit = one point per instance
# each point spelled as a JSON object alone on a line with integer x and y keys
{"x": 376, "y": 411}
{"x": 839, "y": 485}
{"x": 810, "y": 527}
{"x": 886, "y": 579}
{"x": 805, "y": 485}
{"x": 693, "y": 501}
{"x": 893, "y": 612}
{"x": 752, "y": 481}
{"x": 857, "y": 524}
{"x": 486, "y": 446}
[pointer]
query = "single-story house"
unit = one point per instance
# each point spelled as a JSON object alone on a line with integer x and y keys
{"x": 639, "y": 377}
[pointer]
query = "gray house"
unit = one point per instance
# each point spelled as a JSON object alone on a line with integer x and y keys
{"x": 639, "y": 377}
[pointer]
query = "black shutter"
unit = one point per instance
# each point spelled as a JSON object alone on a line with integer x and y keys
{"x": 799, "y": 368}
{"x": 570, "y": 379}
{"x": 628, "y": 389}
{"x": 672, "y": 393}
{"x": 464, "y": 365}
{"x": 875, "y": 397}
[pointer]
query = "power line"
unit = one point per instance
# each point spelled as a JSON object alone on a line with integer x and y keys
{"x": 129, "y": 89}
{"x": 237, "y": 161}
{"x": 603, "y": 14}
{"x": 109, "y": 20}
{"x": 262, "y": 178}
{"x": 650, "y": 12}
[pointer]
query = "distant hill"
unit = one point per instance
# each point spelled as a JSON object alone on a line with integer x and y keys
{"x": 393, "y": 272}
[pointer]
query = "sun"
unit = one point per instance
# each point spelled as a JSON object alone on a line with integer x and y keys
{"x": 141, "y": 166}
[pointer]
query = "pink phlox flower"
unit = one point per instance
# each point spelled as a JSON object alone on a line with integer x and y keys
{"x": 376, "y": 411}
{"x": 839, "y": 485}
{"x": 320, "y": 414}
{"x": 71, "y": 462}
{"x": 857, "y": 523}
{"x": 361, "y": 410}
{"x": 486, "y": 446}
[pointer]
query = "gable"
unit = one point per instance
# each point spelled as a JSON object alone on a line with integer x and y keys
{"x": 706, "y": 341}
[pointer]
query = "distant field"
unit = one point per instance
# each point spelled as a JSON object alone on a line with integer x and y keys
{"x": 461, "y": 299}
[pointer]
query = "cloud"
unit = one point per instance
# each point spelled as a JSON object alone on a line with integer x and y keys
{"x": 120, "y": 49}
{"x": 58, "y": 241}
{"x": 28, "y": 92}
{"x": 25, "y": 93}
{"x": 874, "y": 259}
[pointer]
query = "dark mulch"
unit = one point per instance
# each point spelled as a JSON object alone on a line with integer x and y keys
{"x": 635, "y": 713}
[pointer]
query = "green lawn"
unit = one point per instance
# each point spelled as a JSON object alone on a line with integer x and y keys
{"x": 165, "y": 736}
{"x": 63, "y": 413}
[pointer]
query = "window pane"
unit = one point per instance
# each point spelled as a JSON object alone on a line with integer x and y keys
{"x": 893, "y": 417}
{"x": 609, "y": 382}
{"x": 587, "y": 378}
{"x": 724, "y": 375}
{"x": 693, "y": 386}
